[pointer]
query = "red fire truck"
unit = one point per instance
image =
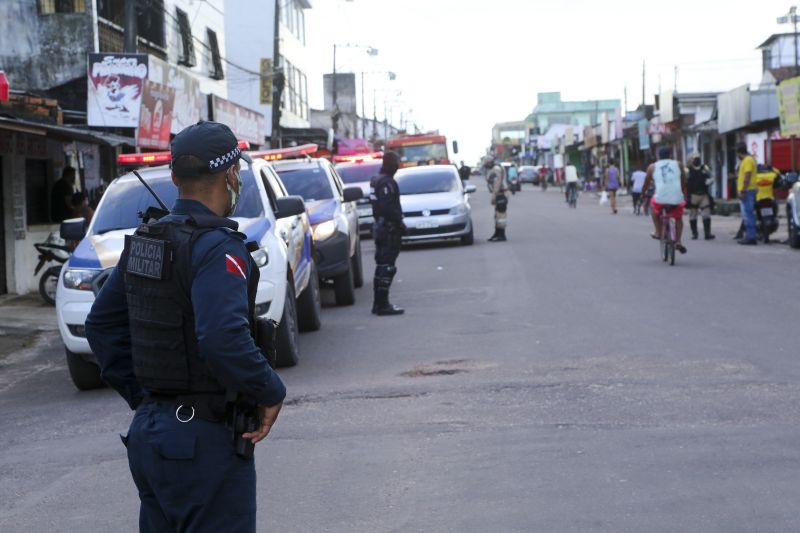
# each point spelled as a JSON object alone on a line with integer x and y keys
{"x": 425, "y": 148}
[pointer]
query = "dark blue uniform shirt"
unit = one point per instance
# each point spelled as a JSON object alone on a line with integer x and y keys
{"x": 219, "y": 298}
{"x": 385, "y": 198}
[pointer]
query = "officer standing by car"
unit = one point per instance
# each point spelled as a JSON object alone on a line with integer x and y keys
{"x": 388, "y": 231}
{"x": 172, "y": 329}
{"x": 499, "y": 199}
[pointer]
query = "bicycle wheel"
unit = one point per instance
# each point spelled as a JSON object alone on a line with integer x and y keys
{"x": 672, "y": 254}
{"x": 662, "y": 249}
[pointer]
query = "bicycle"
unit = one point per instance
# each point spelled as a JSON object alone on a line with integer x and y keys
{"x": 572, "y": 195}
{"x": 668, "y": 235}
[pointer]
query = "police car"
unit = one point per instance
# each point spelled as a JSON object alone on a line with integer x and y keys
{"x": 358, "y": 171}
{"x": 288, "y": 289}
{"x": 334, "y": 220}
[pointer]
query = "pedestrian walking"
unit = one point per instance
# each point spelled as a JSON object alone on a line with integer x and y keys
{"x": 637, "y": 182}
{"x": 746, "y": 188}
{"x": 699, "y": 197}
{"x": 499, "y": 200}
{"x": 464, "y": 172}
{"x": 172, "y": 329}
{"x": 611, "y": 184}
{"x": 387, "y": 233}
{"x": 61, "y": 206}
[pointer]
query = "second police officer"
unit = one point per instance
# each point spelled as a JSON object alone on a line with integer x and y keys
{"x": 172, "y": 330}
{"x": 388, "y": 231}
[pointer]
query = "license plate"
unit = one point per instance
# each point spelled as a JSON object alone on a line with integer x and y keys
{"x": 767, "y": 212}
{"x": 427, "y": 225}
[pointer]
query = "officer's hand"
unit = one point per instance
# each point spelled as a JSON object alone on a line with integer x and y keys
{"x": 268, "y": 416}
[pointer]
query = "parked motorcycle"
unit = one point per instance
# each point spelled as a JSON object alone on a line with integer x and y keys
{"x": 53, "y": 249}
{"x": 767, "y": 179}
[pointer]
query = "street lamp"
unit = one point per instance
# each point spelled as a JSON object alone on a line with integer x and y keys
{"x": 392, "y": 76}
{"x": 792, "y": 18}
{"x": 372, "y": 52}
{"x": 374, "y": 106}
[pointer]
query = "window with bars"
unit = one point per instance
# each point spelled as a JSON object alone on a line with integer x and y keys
{"x": 188, "y": 57}
{"x": 216, "y": 72}
{"x": 49, "y": 7}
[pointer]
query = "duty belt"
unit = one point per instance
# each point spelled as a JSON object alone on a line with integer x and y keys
{"x": 210, "y": 407}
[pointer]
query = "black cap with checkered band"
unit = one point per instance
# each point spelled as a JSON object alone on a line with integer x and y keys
{"x": 205, "y": 148}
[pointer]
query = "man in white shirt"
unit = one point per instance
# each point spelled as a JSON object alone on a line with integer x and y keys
{"x": 571, "y": 179}
{"x": 670, "y": 182}
{"x": 637, "y": 182}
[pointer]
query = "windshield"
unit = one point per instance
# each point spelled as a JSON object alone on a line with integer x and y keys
{"x": 421, "y": 152}
{"x": 123, "y": 201}
{"x": 310, "y": 183}
{"x": 359, "y": 172}
{"x": 427, "y": 182}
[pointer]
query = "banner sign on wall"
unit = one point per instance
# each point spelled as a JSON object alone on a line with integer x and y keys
{"x": 247, "y": 125}
{"x": 156, "y": 116}
{"x": 188, "y": 98}
{"x": 115, "y": 89}
{"x": 789, "y": 106}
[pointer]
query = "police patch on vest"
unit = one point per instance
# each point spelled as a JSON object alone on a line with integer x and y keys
{"x": 146, "y": 257}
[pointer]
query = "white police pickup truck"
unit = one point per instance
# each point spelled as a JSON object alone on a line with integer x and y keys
{"x": 288, "y": 290}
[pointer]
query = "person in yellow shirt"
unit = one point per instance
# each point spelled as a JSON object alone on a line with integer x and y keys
{"x": 746, "y": 187}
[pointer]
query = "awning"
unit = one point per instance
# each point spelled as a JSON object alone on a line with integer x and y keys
{"x": 65, "y": 132}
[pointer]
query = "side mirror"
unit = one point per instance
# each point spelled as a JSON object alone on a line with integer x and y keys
{"x": 73, "y": 229}
{"x": 352, "y": 194}
{"x": 289, "y": 206}
{"x": 455, "y": 147}
{"x": 470, "y": 188}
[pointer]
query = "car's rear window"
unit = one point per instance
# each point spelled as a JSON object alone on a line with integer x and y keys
{"x": 124, "y": 200}
{"x": 359, "y": 172}
{"x": 310, "y": 183}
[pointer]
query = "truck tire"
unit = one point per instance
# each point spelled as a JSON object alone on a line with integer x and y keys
{"x": 344, "y": 288}
{"x": 286, "y": 340}
{"x": 309, "y": 304}
{"x": 85, "y": 375}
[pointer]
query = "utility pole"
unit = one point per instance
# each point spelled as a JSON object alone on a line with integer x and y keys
{"x": 130, "y": 28}
{"x": 675, "y": 87}
{"x": 643, "y": 79}
{"x": 626, "y": 99}
{"x": 335, "y": 109}
{"x": 278, "y": 82}
{"x": 363, "y": 112}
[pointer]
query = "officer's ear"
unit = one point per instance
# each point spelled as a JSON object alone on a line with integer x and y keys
{"x": 175, "y": 180}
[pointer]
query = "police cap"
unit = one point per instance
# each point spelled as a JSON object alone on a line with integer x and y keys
{"x": 205, "y": 148}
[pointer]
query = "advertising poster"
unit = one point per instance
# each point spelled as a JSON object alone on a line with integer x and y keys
{"x": 247, "y": 125}
{"x": 644, "y": 136}
{"x": 188, "y": 98}
{"x": 156, "y": 116}
{"x": 115, "y": 89}
{"x": 789, "y": 106}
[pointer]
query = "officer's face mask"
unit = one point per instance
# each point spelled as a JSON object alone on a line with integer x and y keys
{"x": 233, "y": 196}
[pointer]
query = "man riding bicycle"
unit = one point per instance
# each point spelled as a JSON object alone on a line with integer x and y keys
{"x": 571, "y": 179}
{"x": 670, "y": 182}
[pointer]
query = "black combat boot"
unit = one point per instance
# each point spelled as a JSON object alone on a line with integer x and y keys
{"x": 494, "y": 235}
{"x": 707, "y": 229}
{"x": 384, "y": 274}
{"x": 693, "y": 225}
{"x": 501, "y": 235}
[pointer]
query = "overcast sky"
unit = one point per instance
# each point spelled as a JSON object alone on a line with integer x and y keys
{"x": 464, "y": 65}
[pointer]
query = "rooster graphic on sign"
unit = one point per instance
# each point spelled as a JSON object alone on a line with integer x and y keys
{"x": 118, "y": 96}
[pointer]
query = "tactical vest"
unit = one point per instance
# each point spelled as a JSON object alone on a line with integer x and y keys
{"x": 157, "y": 266}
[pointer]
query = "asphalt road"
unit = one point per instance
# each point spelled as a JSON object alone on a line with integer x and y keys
{"x": 564, "y": 381}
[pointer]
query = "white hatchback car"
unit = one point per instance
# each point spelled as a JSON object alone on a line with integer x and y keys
{"x": 288, "y": 289}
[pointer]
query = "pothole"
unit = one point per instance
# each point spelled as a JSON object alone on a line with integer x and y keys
{"x": 441, "y": 368}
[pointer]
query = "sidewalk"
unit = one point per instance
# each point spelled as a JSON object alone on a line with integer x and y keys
{"x": 22, "y": 320}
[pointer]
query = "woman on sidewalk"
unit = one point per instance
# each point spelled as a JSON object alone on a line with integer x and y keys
{"x": 612, "y": 184}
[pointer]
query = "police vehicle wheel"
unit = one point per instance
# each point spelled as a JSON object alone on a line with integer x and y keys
{"x": 85, "y": 375}
{"x": 344, "y": 288}
{"x": 286, "y": 342}
{"x": 358, "y": 269}
{"x": 309, "y": 305}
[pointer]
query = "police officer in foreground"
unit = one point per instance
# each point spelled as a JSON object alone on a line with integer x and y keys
{"x": 171, "y": 329}
{"x": 387, "y": 232}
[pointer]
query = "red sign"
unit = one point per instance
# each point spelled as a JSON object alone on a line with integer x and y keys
{"x": 3, "y": 87}
{"x": 155, "y": 116}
